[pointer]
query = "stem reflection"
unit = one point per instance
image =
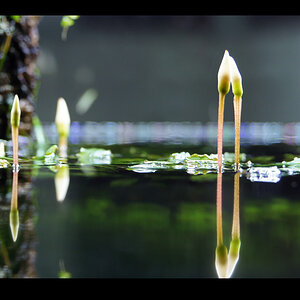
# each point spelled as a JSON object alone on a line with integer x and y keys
{"x": 225, "y": 262}
{"x": 14, "y": 212}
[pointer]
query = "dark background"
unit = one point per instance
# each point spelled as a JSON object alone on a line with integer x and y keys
{"x": 164, "y": 68}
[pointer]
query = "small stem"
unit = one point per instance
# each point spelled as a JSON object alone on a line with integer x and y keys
{"x": 14, "y": 193}
{"x": 220, "y": 130}
{"x": 63, "y": 146}
{"x": 219, "y": 210}
{"x": 237, "y": 103}
{"x": 15, "y": 140}
{"x": 5, "y": 255}
{"x": 5, "y": 49}
{"x": 236, "y": 211}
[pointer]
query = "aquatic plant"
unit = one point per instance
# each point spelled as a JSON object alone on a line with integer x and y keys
{"x": 62, "y": 121}
{"x": 229, "y": 74}
{"x": 15, "y": 123}
{"x": 66, "y": 22}
{"x": 237, "y": 89}
{"x": 224, "y": 77}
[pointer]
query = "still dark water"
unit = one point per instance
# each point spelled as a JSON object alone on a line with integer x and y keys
{"x": 138, "y": 214}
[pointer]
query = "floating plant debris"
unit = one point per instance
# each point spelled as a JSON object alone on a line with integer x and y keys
{"x": 51, "y": 155}
{"x": 179, "y": 157}
{"x": 193, "y": 164}
{"x": 4, "y": 163}
{"x": 94, "y": 156}
{"x": 151, "y": 166}
{"x": 264, "y": 174}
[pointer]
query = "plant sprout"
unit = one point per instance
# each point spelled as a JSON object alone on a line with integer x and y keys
{"x": 66, "y": 22}
{"x": 62, "y": 120}
{"x": 237, "y": 89}
{"x": 15, "y": 123}
{"x": 229, "y": 74}
{"x": 224, "y": 77}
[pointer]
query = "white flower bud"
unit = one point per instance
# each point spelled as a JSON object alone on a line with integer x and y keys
{"x": 236, "y": 79}
{"x": 224, "y": 75}
{"x": 62, "y": 118}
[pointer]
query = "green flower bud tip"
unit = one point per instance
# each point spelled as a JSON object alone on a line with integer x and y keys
{"x": 62, "y": 118}
{"x": 224, "y": 74}
{"x": 15, "y": 114}
{"x": 234, "y": 248}
{"x": 14, "y": 223}
{"x": 236, "y": 79}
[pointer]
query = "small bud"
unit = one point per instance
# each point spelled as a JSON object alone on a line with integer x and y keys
{"x": 15, "y": 113}
{"x": 14, "y": 223}
{"x": 224, "y": 75}
{"x": 236, "y": 79}
{"x": 62, "y": 118}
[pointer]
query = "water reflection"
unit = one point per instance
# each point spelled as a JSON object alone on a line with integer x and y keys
{"x": 17, "y": 230}
{"x": 14, "y": 212}
{"x": 62, "y": 181}
{"x": 225, "y": 262}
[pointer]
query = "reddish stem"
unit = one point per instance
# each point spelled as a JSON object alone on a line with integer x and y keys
{"x": 220, "y": 130}
{"x": 219, "y": 210}
{"x": 236, "y": 211}
{"x": 237, "y": 103}
{"x": 15, "y": 140}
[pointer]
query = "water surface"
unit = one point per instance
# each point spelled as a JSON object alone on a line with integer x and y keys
{"x": 158, "y": 219}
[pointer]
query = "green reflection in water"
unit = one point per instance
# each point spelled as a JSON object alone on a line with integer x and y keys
{"x": 165, "y": 231}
